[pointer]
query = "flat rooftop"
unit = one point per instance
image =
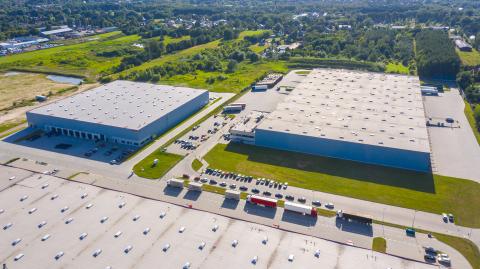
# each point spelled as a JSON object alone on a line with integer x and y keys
{"x": 249, "y": 122}
{"x": 124, "y": 104}
{"x": 147, "y": 249}
{"x": 360, "y": 107}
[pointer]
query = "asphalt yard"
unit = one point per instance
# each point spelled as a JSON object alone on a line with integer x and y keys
{"x": 58, "y": 223}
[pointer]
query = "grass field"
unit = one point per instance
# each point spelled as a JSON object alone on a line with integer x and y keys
{"x": 166, "y": 161}
{"x": 196, "y": 164}
{"x": 469, "y": 58}
{"x": 5, "y": 126}
{"x": 379, "y": 244}
{"x": 25, "y": 86}
{"x": 471, "y": 120}
{"x": 396, "y": 68}
{"x": 425, "y": 192}
{"x": 245, "y": 75}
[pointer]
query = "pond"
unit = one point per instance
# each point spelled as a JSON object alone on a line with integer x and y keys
{"x": 65, "y": 79}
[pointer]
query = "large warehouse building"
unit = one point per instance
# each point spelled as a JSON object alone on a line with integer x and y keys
{"x": 124, "y": 112}
{"x": 367, "y": 117}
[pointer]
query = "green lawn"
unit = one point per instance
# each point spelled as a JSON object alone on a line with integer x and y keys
{"x": 379, "y": 244}
{"x": 245, "y": 75}
{"x": 421, "y": 191}
{"x": 397, "y": 68}
{"x": 469, "y": 58}
{"x": 166, "y": 161}
{"x": 10, "y": 124}
{"x": 196, "y": 164}
{"x": 471, "y": 120}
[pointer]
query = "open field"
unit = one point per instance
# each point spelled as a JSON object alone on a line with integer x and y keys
{"x": 425, "y": 192}
{"x": 469, "y": 58}
{"x": 25, "y": 86}
{"x": 471, "y": 120}
{"x": 245, "y": 75}
{"x": 77, "y": 59}
{"x": 166, "y": 161}
{"x": 396, "y": 68}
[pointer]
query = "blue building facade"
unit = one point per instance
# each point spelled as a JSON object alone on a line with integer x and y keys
{"x": 365, "y": 153}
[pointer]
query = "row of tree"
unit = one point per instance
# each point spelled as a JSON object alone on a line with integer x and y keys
{"x": 436, "y": 56}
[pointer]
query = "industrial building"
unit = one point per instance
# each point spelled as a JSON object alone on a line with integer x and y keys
{"x": 462, "y": 45}
{"x": 244, "y": 131}
{"x": 123, "y": 112}
{"x": 366, "y": 117}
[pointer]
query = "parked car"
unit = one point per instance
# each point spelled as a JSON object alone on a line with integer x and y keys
{"x": 279, "y": 195}
{"x": 316, "y": 203}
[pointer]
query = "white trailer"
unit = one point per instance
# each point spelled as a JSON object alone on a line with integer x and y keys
{"x": 231, "y": 194}
{"x": 232, "y": 108}
{"x": 195, "y": 186}
{"x": 173, "y": 182}
{"x": 302, "y": 209}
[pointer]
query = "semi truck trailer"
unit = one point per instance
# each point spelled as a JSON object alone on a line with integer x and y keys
{"x": 302, "y": 209}
{"x": 231, "y": 194}
{"x": 259, "y": 200}
{"x": 195, "y": 186}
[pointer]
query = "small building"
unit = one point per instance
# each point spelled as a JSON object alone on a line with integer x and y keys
{"x": 462, "y": 45}
{"x": 244, "y": 131}
{"x": 270, "y": 80}
{"x": 57, "y": 32}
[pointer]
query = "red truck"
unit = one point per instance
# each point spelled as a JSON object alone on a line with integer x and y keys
{"x": 259, "y": 200}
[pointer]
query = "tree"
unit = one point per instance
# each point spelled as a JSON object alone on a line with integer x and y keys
{"x": 253, "y": 57}
{"x": 228, "y": 34}
{"x": 464, "y": 79}
{"x": 232, "y": 65}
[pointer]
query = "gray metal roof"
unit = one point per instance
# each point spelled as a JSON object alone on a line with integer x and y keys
{"x": 360, "y": 107}
{"x": 124, "y": 104}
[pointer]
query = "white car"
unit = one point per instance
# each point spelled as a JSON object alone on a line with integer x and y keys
{"x": 44, "y": 186}
{"x": 234, "y": 243}
{"x": 23, "y": 198}
{"x": 84, "y": 195}
{"x": 96, "y": 253}
{"x": 166, "y": 247}
{"x": 55, "y": 196}
{"x": 202, "y": 246}
{"x": 291, "y": 257}
{"x": 65, "y": 208}
{"x": 89, "y": 206}
{"x": 121, "y": 205}
{"x": 265, "y": 240}
{"x": 186, "y": 265}
{"x": 317, "y": 253}
{"x": 215, "y": 228}
{"x": 255, "y": 259}
{"x": 31, "y": 211}
{"x": 182, "y": 229}
{"x": 146, "y": 231}
{"x": 2, "y": 211}
{"x": 162, "y": 215}
{"x": 117, "y": 234}
{"x": 59, "y": 255}
{"x": 136, "y": 217}
{"x": 69, "y": 220}
{"x": 104, "y": 219}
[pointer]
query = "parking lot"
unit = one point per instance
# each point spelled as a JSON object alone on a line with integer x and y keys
{"x": 449, "y": 144}
{"x": 87, "y": 149}
{"x": 199, "y": 134}
{"x": 126, "y": 231}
